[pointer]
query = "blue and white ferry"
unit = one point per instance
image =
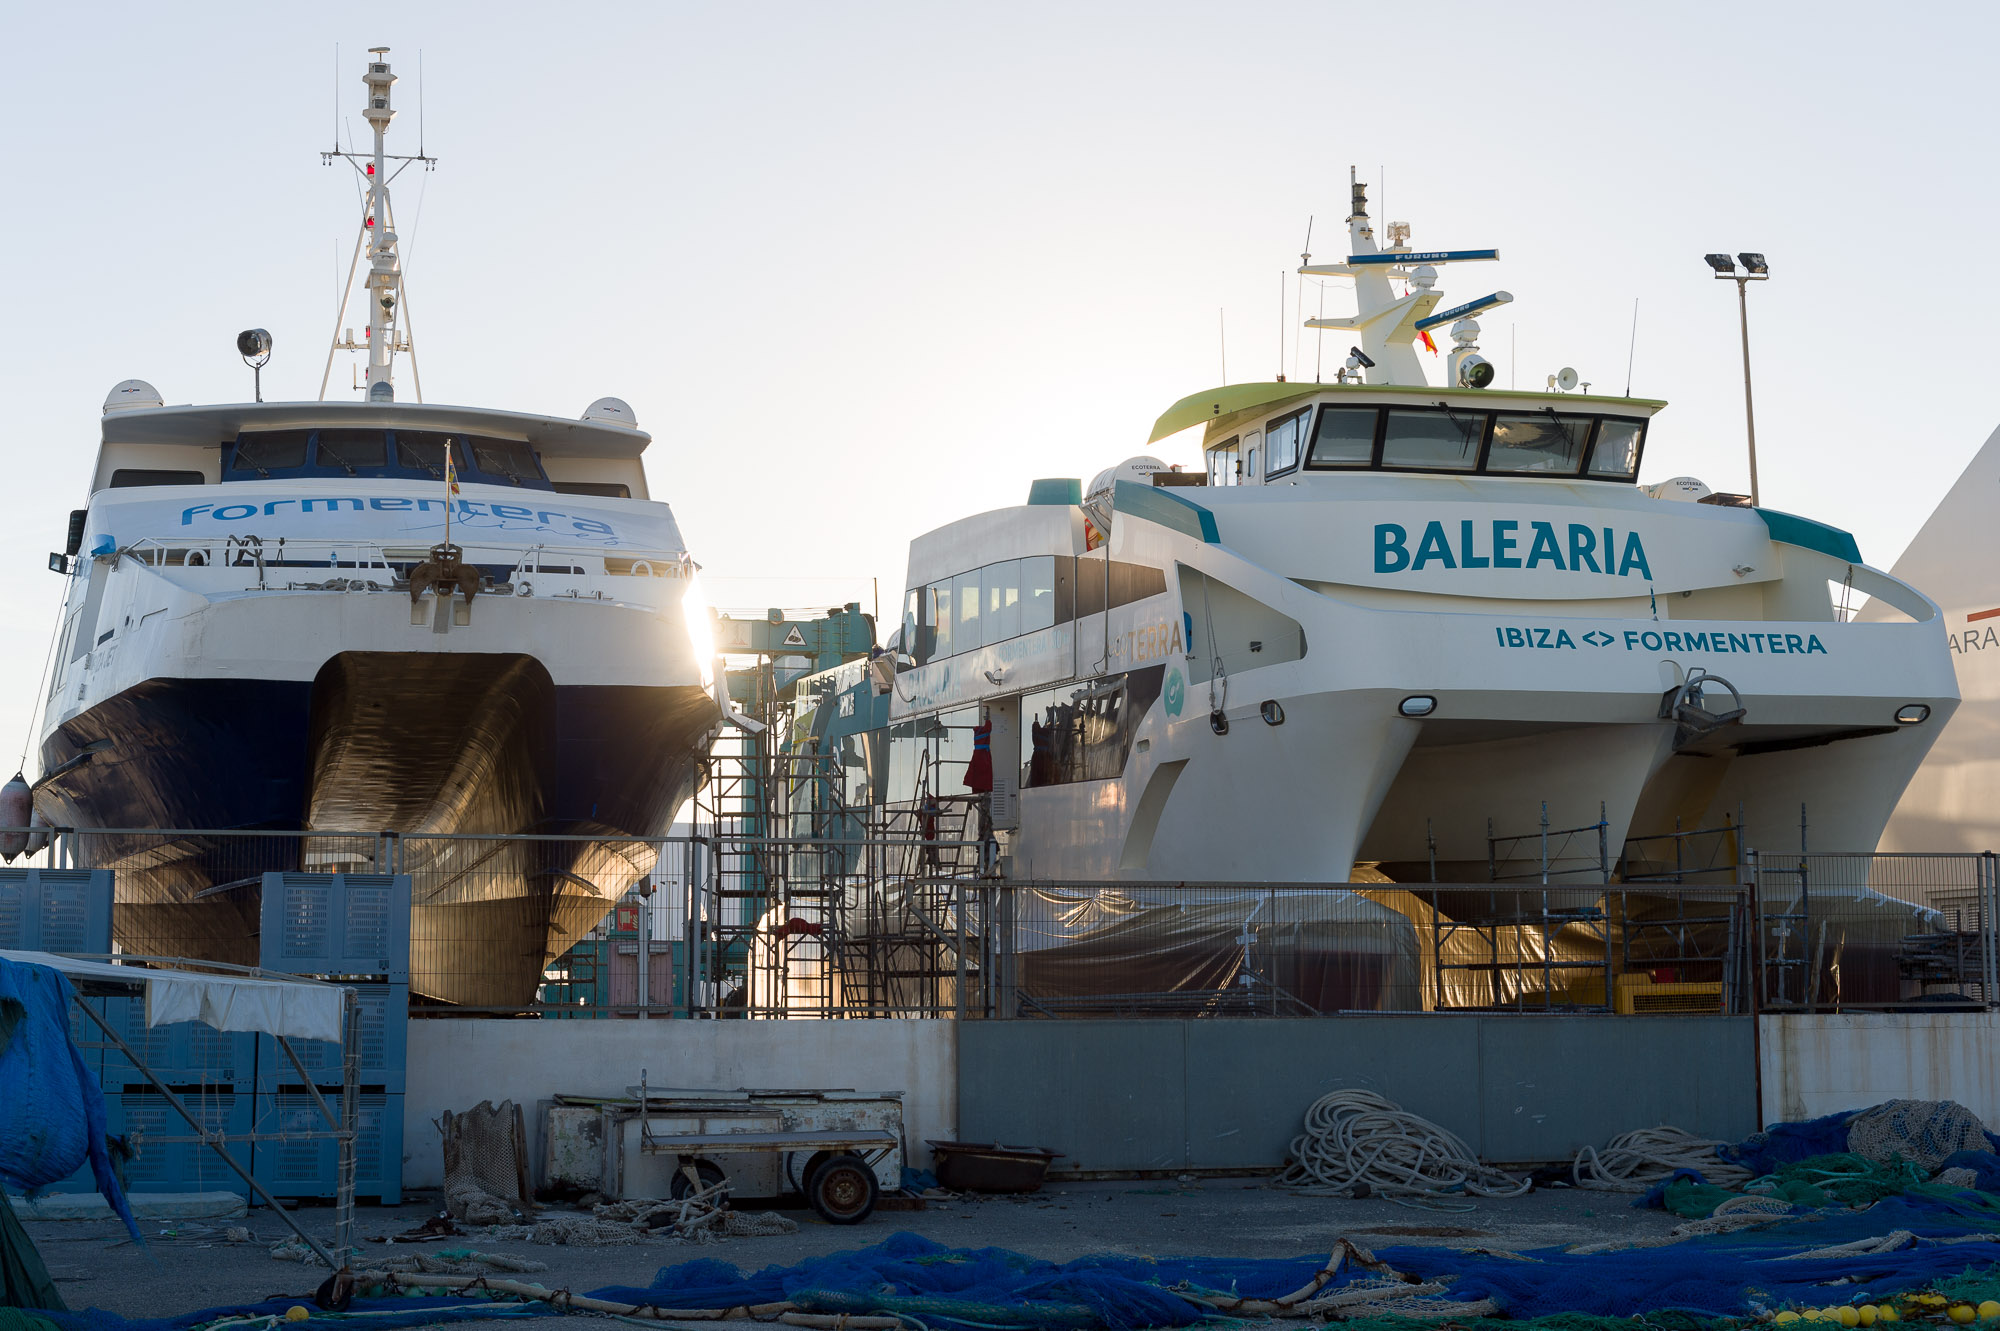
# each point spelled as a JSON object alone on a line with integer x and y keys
{"x": 284, "y": 615}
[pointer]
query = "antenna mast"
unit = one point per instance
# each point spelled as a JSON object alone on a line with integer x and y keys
{"x": 380, "y": 337}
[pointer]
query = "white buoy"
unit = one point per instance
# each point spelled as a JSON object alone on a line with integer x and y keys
{"x": 17, "y": 807}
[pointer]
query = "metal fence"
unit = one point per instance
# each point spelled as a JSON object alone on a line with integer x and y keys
{"x": 907, "y": 921}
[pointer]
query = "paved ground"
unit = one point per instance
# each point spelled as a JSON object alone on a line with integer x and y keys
{"x": 193, "y": 1267}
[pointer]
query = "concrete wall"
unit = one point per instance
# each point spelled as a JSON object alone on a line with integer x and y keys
{"x": 1813, "y": 1065}
{"x": 1230, "y": 1094}
{"x": 454, "y": 1064}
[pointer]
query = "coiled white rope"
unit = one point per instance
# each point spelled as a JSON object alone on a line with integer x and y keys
{"x": 1357, "y": 1139}
{"x": 1638, "y": 1160}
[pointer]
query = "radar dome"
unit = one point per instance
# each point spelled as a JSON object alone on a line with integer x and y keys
{"x": 1684, "y": 488}
{"x": 131, "y": 394}
{"x": 612, "y": 411}
{"x": 1097, "y": 499}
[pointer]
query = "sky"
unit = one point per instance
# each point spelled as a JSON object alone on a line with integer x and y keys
{"x": 862, "y": 269}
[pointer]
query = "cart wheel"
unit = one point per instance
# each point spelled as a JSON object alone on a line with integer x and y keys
{"x": 843, "y": 1190}
{"x": 684, "y": 1187}
{"x": 802, "y": 1180}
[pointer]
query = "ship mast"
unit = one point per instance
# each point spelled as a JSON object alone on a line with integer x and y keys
{"x": 381, "y": 337}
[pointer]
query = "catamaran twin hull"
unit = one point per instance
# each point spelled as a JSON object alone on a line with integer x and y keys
{"x": 1388, "y": 670}
{"x": 253, "y": 659}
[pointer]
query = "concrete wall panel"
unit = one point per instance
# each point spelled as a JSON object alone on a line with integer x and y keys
{"x": 1109, "y": 1094}
{"x": 1550, "y": 1086}
{"x": 1819, "y": 1064}
{"x": 1231, "y": 1094}
{"x": 1249, "y": 1083}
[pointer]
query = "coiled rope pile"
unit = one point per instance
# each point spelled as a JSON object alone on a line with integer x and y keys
{"x": 1638, "y": 1160}
{"x": 1358, "y": 1144}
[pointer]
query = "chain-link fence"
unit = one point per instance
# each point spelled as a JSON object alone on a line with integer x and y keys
{"x": 907, "y": 919}
{"x": 1904, "y": 931}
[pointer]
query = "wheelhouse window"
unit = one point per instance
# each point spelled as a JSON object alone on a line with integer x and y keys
{"x": 351, "y": 451}
{"x": 1616, "y": 454}
{"x": 266, "y": 451}
{"x": 1543, "y": 443}
{"x": 507, "y": 460}
{"x": 1284, "y": 440}
{"x": 1433, "y": 440}
{"x": 1345, "y": 438}
{"x": 1225, "y": 464}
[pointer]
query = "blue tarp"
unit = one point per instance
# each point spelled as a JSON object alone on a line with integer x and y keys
{"x": 51, "y": 1109}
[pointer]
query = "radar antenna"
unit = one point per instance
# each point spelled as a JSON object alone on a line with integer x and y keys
{"x": 381, "y": 337}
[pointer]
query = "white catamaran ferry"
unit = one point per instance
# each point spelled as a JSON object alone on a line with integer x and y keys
{"x": 286, "y": 615}
{"x": 1389, "y": 622}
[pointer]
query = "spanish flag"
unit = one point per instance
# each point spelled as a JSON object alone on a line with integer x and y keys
{"x": 451, "y": 472}
{"x": 1424, "y": 336}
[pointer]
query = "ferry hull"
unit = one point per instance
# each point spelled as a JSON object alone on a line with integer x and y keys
{"x": 435, "y": 746}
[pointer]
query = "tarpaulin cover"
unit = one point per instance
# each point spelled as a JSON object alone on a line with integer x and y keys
{"x": 1331, "y": 950}
{"x": 51, "y": 1109}
{"x": 385, "y": 1313}
{"x": 297, "y": 1009}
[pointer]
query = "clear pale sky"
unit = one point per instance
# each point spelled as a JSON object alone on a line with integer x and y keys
{"x": 862, "y": 269}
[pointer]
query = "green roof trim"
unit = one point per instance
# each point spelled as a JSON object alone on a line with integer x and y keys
{"x": 1791, "y": 529}
{"x": 1240, "y": 399}
{"x": 1166, "y": 508}
{"x": 1067, "y": 491}
{"x": 1227, "y": 401}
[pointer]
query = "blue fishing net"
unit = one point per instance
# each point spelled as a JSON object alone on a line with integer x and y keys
{"x": 976, "y": 1288}
{"x": 991, "y": 1287}
{"x": 1788, "y": 1143}
{"x": 55, "y": 1118}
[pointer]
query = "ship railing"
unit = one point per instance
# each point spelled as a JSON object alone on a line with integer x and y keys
{"x": 376, "y": 565}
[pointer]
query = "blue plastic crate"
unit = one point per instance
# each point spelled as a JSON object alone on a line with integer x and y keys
{"x": 184, "y": 1053}
{"x": 162, "y": 1166}
{"x": 336, "y": 924}
{"x": 385, "y": 1039}
{"x": 56, "y": 910}
{"x": 307, "y": 1167}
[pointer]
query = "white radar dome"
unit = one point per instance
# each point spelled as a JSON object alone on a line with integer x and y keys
{"x": 130, "y": 394}
{"x": 1684, "y": 488}
{"x": 612, "y": 410}
{"x": 1097, "y": 499}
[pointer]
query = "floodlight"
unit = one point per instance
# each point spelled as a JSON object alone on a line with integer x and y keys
{"x": 1721, "y": 263}
{"x": 1475, "y": 372}
{"x": 252, "y": 343}
{"x": 1755, "y": 263}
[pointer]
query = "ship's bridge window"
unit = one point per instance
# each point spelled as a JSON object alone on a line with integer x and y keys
{"x": 1543, "y": 443}
{"x": 1284, "y": 439}
{"x": 1225, "y": 466}
{"x": 508, "y": 461}
{"x": 350, "y": 452}
{"x": 1616, "y": 454}
{"x": 1443, "y": 440}
{"x": 473, "y": 458}
{"x": 263, "y": 452}
{"x": 1345, "y": 438}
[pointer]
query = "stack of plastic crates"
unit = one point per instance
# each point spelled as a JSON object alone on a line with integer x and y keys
{"x": 354, "y": 930}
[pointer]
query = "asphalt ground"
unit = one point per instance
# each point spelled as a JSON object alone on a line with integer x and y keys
{"x": 187, "y": 1266}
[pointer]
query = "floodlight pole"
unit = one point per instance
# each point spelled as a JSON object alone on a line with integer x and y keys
{"x": 1742, "y": 281}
